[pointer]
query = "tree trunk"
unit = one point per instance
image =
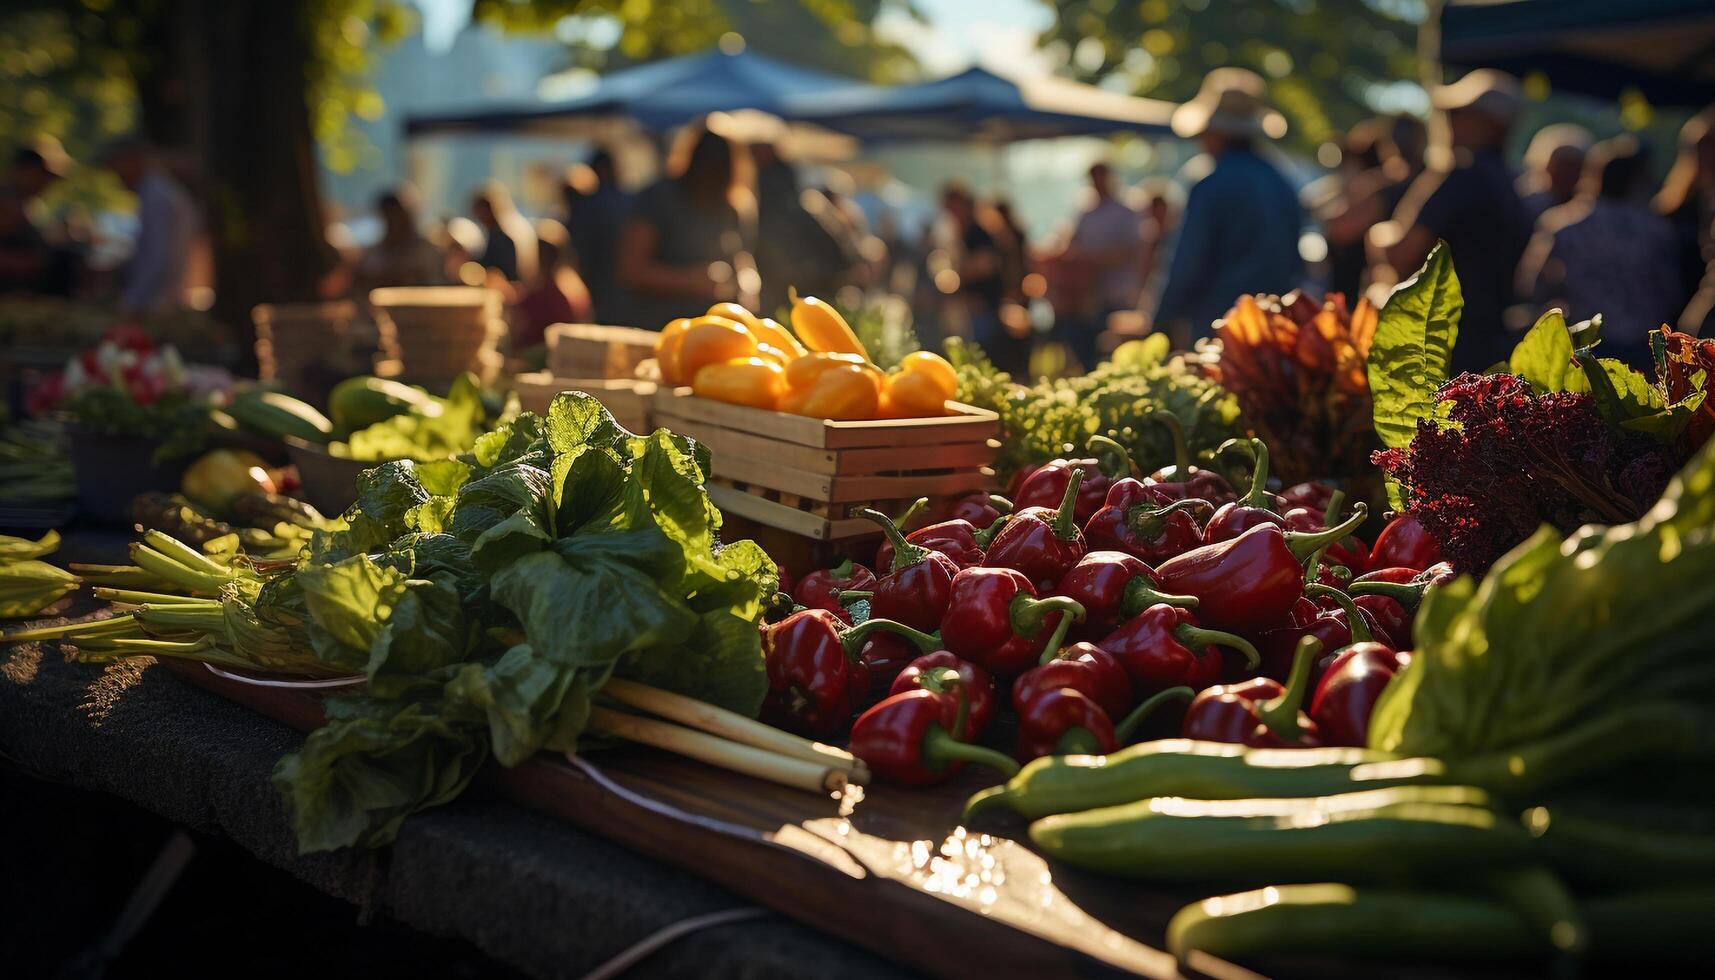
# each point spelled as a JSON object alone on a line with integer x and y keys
{"x": 228, "y": 89}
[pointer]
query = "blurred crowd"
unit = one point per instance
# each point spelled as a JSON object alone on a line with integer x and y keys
{"x": 1586, "y": 226}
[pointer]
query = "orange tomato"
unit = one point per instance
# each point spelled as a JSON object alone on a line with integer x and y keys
{"x": 667, "y": 349}
{"x": 803, "y": 371}
{"x": 845, "y": 392}
{"x": 932, "y": 365}
{"x": 916, "y": 395}
{"x": 710, "y": 340}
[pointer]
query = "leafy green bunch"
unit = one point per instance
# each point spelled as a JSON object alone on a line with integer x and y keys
{"x": 488, "y": 598}
{"x": 1052, "y": 417}
{"x": 179, "y": 424}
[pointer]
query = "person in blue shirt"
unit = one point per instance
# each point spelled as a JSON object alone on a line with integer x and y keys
{"x": 1239, "y": 233}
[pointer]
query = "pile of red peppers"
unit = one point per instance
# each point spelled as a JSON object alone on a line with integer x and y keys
{"x": 1107, "y": 602}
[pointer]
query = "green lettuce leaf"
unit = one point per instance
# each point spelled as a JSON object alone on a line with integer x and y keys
{"x": 426, "y": 633}
{"x": 348, "y": 603}
{"x": 1560, "y": 631}
{"x": 1544, "y": 357}
{"x": 505, "y": 514}
{"x": 1412, "y": 351}
{"x": 374, "y": 763}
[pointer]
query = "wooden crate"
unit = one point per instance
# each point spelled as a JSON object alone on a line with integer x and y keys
{"x": 589, "y": 350}
{"x": 630, "y": 401}
{"x": 807, "y": 476}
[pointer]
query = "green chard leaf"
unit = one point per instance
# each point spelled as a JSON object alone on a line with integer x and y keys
{"x": 505, "y": 514}
{"x": 348, "y": 603}
{"x": 426, "y": 634}
{"x": 1545, "y": 358}
{"x": 1412, "y": 351}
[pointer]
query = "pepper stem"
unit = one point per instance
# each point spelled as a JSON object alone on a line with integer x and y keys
{"x": 849, "y": 596}
{"x": 941, "y": 749}
{"x": 1407, "y": 594}
{"x": 1002, "y": 504}
{"x": 917, "y": 506}
{"x": 1128, "y": 725}
{"x": 1354, "y": 616}
{"x": 843, "y": 571}
{"x": 1147, "y": 521}
{"x": 1114, "y": 459}
{"x": 1313, "y": 564}
{"x": 949, "y": 680}
{"x": 1196, "y": 637}
{"x": 984, "y": 537}
{"x": 1280, "y": 714}
{"x": 852, "y": 639}
{"x": 1064, "y": 524}
{"x": 1181, "y": 449}
{"x": 1258, "y": 496}
{"x": 1140, "y": 594}
{"x": 1039, "y": 609}
{"x": 905, "y": 554}
{"x": 1303, "y": 544}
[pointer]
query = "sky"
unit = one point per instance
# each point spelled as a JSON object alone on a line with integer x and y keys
{"x": 998, "y": 34}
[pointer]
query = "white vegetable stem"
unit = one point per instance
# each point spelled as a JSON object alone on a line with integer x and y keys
{"x": 746, "y": 759}
{"x": 730, "y": 724}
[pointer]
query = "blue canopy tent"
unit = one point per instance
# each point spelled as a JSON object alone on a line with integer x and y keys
{"x": 658, "y": 96}
{"x": 1664, "y": 49}
{"x": 979, "y": 106}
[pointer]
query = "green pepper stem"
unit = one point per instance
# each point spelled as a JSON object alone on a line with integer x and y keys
{"x": 1258, "y": 450}
{"x": 1074, "y": 611}
{"x": 1113, "y": 458}
{"x": 917, "y": 506}
{"x": 1002, "y": 504}
{"x": 842, "y": 572}
{"x": 1129, "y": 724}
{"x": 905, "y": 554}
{"x": 1407, "y": 594}
{"x": 1313, "y": 565}
{"x": 1196, "y": 637}
{"x": 1354, "y": 616}
{"x": 849, "y": 596}
{"x": 1065, "y": 521}
{"x": 1336, "y": 501}
{"x": 1147, "y": 521}
{"x": 1077, "y": 740}
{"x": 1280, "y": 714}
{"x": 986, "y": 536}
{"x": 1181, "y": 449}
{"x": 852, "y": 639}
{"x": 940, "y": 749}
{"x": 1303, "y": 544}
{"x": 1140, "y": 594}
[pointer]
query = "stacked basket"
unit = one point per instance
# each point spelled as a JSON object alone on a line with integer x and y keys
{"x": 305, "y": 346}
{"x": 439, "y": 332}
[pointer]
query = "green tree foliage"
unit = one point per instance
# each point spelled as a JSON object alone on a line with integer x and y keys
{"x": 1322, "y": 58}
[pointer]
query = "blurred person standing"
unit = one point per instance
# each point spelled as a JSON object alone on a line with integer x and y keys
{"x": 979, "y": 281}
{"x": 1606, "y": 251}
{"x": 29, "y": 262}
{"x": 1239, "y": 232}
{"x": 1160, "y": 217}
{"x": 1553, "y": 166}
{"x": 509, "y": 241}
{"x": 1108, "y": 240}
{"x": 1474, "y": 208}
{"x": 169, "y": 230}
{"x": 555, "y": 294}
{"x": 1386, "y": 155}
{"x": 797, "y": 243}
{"x": 688, "y": 241}
{"x": 1687, "y": 199}
{"x": 402, "y": 257}
{"x": 596, "y": 210}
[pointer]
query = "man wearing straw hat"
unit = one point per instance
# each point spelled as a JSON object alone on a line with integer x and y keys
{"x": 1239, "y": 233}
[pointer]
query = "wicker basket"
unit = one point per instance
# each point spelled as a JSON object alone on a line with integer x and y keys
{"x": 438, "y": 331}
{"x": 303, "y": 345}
{"x": 588, "y": 350}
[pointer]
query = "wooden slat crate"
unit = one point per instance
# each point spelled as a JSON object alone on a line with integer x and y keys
{"x": 589, "y": 350}
{"x": 631, "y": 402}
{"x": 806, "y": 476}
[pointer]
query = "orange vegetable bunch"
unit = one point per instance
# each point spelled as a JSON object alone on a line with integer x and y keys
{"x": 1297, "y": 369}
{"x": 819, "y": 368}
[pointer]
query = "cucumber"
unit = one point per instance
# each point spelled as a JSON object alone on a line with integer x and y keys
{"x": 274, "y": 415}
{"x": 358, "y": 403}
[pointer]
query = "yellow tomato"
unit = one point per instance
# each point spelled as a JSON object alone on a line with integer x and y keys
{"x": 934, "y": 366}
{"x": 915, "y": 395}
{"x": 667, "y": 349}
{"x": 803, "y": 371}
{"x": 844, "y": 392}
{"x": 751, "y": 381}
{"x": 710, "y": 340}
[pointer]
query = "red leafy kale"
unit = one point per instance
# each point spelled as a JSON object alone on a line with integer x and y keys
{"x": 1513, "y": 460}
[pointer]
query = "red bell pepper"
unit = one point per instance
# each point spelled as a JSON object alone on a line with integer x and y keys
{"x": 1164, "y": 647}
{"x": 1083, "y": 667}
{"x": 915, "y": 589}
{"x": 982, "y": 508}
{"x": 1359, "y": 623}
{"x": 907, "y": 739}
{"x": 821, "y": 588}
{"x": 1350, "y": 552}
{"x": 1258, "y": 712}
{"x": 958, "y": 539}
{"x": 1313, "y": 497}
{"x": 1043, "y": 544}
{"x": 995, "y": 620}
{"x": 814, "y": 680}
{"x": 1406, "y": 544}
{"x": 1182, "y": 481}
{"x": 1113, "y": 586}
{"x": 1408, "y": 594}
{"x": 1047, "y": 485}
{"x": 1064, "y": 721}
{"x": 1346, "y": 696}
{"x": 1142, "y": 522}
{"x": 925, "y": 671}
{"x": 1019, "y": 475}
{"x": 1390, "y": 618}
{"x": 1249, "y": 584}
{"x": 1254, "y": 509}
